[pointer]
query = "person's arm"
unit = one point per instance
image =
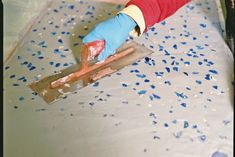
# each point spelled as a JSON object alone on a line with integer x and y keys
{"x": 135, "y": 18}
{"x": 148, "y": 12}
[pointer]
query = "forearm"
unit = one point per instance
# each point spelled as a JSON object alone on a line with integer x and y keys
{"x": 152, "y": 11}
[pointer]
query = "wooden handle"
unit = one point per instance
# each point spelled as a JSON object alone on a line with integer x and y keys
{"x": 89, "y": 69}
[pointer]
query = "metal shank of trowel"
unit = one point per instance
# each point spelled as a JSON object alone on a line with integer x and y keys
{"x": 85, "y": 68}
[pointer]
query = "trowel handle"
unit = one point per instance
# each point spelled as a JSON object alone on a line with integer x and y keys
{"x": 84, "y": 56}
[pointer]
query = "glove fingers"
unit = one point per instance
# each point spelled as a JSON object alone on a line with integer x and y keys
{"x": 90, "y": 38}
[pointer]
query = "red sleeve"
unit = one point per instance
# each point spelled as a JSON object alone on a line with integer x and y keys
{"x": 155, "y": 11}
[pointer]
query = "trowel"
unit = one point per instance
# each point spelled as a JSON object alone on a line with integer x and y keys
{"x": 89, "y": 70}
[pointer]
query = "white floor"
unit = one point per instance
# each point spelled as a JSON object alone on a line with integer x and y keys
{"x": 177, "y": 102}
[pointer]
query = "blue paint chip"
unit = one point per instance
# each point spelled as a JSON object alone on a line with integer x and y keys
{"x": 152, "y": 86}
{"x": 32, "y": 68}
{"x": 141, "y": 75}
{"x": 57, "y": 64}
{"x": 181, "y": 95}
{"x": 12, "y": 76}
{"x": 203, "y": 25}
{"x": 156, "y": 96}
{"x": 135, "y": 63}
{"x": 146, "y": 80}
{"x": 60, "y": 41}
{"x": 96, "y": 84}
{"x": 175, "y": 46}
{"x": 202, "y": 138}
{"x": 183, "y": 104}
{"x": 166, "y": 125}
{"x": 186, "y": 124}
{"x": 168, "y": 69}
{"x": 141, "y": 92}
{"x": 213, "y": 71}
{"x": 207, "y": 77}
{"x": 167, "y": 82}
{"x": 71, "y": 7}
{"x": 56, "y": 51}
{"x": 124, "y": 85}
{"x": 21, "y": 98}
{"x": 198, "y": 82}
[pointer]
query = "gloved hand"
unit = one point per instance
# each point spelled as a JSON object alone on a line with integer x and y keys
{"x": 114, "y": 31}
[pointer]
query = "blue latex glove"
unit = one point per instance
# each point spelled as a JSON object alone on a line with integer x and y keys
{"x": 114, "y": 31}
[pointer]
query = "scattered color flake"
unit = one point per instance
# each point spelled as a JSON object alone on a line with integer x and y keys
{"x": 21, "y": 98}
{"x": 152, "y": 86}
{"x": 146, "y": 80}
{"x": 57, "y": 65}
{"x": 159, "y": 74}
{"x": 167, "y": 82}
{"x": 202, "y": 138}
{"x": 56, "y": 51}
{"x": 7, "y": 67}
{"x": 124, "y": 85}
{"x": 213, "y": 71}
{"x": 202, "y": 25}
{"x": 156, "y": 96}
{"x": 208, "y": 77}
{"x": 168, "y": 69}
{"x": 175, "y": 46}
{"x": 186, "y": 124}
{"x": 141, "y": 92}
{"x": 183, "y": 104}
{"x": 215, "y": 87}
{"x": 166, "y": 125}
{"x": 219, "y": 154}
{"x": 198, "y": 82}
{"x": 141, "y": 75}
{"x": 96, "y": 84}
{"x": 60, "y": 41}
{"x": 181, "y": 95}
{"x": 12, "y": 76}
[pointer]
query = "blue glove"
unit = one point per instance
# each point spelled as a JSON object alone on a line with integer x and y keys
{"x": 114, "y": 31}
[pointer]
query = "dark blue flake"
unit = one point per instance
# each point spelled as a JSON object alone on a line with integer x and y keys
{"x": 213, "y": 71}
{"x": 208, "y": 77}
{"x": 202, "y": 25}
{"x": 198, "y": 82}
{"x": 12, "y": 76}
{"x": 186, "y": 124}
{"x": 156, "y": 96}
{"x": 181, "y": 95}
{"x": 168, "y": 69}
{"x": 146, "y": 80}
{"x": 60, "y": 41}
{"x": 57, "y": 64}
{"x": 202, "y": 138}
{"x": 183, "y": 104}
{"x": 124, "y": 85}
{"x": 21, "y": 98}
{"x": 56, "y": 51}
{"x": 96, "y": 84}
{"x": 142, "y": 92}
{"x": 141, "y": 75}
